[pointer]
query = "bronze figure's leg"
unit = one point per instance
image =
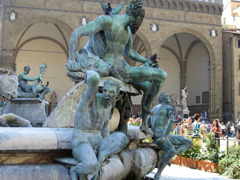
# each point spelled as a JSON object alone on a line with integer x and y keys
{"x": 85, "y": 154}
{"x": 170, "y": 152}
{"x": 110, "y": 145}
{"x": 151, "y": 83}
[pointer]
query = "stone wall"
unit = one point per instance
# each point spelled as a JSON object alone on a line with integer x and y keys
{"x": 34, "y": 172}
{"x": 173, "y": 16}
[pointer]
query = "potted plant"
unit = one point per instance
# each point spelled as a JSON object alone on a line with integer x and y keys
{"x": 209, "y": 154}
{"x": 188, "y": 158}
{"x": 204, "y": 154}
{"x": 176, "y": 160}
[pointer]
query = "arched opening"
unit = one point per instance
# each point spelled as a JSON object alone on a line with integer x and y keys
{"x": 186, "y": 60}
{"x": 45, "y": 42}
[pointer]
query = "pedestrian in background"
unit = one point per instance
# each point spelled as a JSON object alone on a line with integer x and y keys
{"x": 209, "y": 127}
{"x": 204, "y": 127}
{"x": 238, "y": 133}
{"x": 219, "y": 125}
{"x": 196, "y": 126}
{"x": 190, "y": 125}
{"x": 228, "y": 129}
{"x": 233, "y": 130}
{"x": 177, "y": 130}
{"x": 217, "y": 131}
{"x": 183, "y": 127}
{"x": 223, "y": 127}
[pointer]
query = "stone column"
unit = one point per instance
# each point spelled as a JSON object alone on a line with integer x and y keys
{"x": 8, "y": 60}
{"x": 215, "y": 108}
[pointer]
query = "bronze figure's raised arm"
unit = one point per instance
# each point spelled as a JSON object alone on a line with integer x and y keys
{"x": 91, "y": 133}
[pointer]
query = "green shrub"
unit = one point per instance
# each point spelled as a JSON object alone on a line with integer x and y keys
{"x": 195, "y": 150}
{"x": 203, "y": 148}
{"x": 229, "y": 165}
{"x": 209, "y": 150}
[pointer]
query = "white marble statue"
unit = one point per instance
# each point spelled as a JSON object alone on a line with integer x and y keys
{"x": 184, "y": 97}
{"x": 175, "y": 101}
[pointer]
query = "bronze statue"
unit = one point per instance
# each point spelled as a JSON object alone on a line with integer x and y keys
{"x": 110, "y": 38}
{"x": 34, "y": 90}
{"x": 91, "y": 133}
{"x": 162, "y": 122}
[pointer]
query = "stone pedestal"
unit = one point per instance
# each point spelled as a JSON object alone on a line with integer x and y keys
{"x": 32, "y": 109}
{"x": 185, "y": 113}
{"x": 178, "y": 111}
{"x": 27, "y": 153}
{"x": 34, "y": 171}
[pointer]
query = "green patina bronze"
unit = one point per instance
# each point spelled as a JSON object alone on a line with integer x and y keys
{"x": 34, "y": 90}
{"x": 91, "y": 133}
{"x": 111, "y": 38}
{"x": 162, "y": 122}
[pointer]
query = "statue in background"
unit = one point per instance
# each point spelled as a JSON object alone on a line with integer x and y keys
{"x": 110, "y": 38}
{"x": 175, "y": 101}
{"x": 34, "y": 90}
{"x": 162, "y": 124}
{"x": 184, "y": 99}
{"x": 91, "y": 133}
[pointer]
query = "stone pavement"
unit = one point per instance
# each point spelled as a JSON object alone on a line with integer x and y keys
{"x": 176, "y": 172}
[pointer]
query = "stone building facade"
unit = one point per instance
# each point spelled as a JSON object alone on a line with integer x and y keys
{"x": 231, "y": 74}
{"x": 231, "y": 61}
{"x": 186, "y": 35}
